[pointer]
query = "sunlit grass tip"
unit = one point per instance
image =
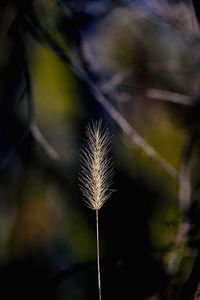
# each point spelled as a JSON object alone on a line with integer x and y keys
{"x": 97, "y": 169}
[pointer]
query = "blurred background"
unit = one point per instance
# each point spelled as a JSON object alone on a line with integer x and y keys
{"x": 135, "y": 65}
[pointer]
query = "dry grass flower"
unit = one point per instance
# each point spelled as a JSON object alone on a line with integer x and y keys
{"x": 96, "y": 174}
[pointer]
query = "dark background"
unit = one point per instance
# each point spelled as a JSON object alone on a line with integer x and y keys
{"x": 58, "y": 60}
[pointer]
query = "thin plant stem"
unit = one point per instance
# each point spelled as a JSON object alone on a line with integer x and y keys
{"x": 98, "y": 260}
{"x": 96, "y": 175}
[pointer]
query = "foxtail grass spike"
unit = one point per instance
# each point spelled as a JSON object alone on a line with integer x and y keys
{"x": 96, "y": 175}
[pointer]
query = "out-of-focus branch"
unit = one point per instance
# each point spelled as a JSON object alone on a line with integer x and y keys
{"x": 131, "y": 133}
{"x": 169, "y": 96}
{"x": 110, "y": 85}
{"x": 184, "y": 197}
{"x": 197, "y": 9}
{"x": 42, "y": 141}
{"x": 191, "y": 284}
{"x": 123, "y": 124}
{"x": 36, "y": 133}
{"x": 184, "y": 173}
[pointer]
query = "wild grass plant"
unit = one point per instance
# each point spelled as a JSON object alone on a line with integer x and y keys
{"x": 96, "y": 175}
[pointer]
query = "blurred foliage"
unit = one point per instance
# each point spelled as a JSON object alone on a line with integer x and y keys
{"x": 141, "y": 57}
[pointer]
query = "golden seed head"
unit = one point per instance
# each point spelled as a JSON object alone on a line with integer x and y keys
{"x": 96, "y": 168}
